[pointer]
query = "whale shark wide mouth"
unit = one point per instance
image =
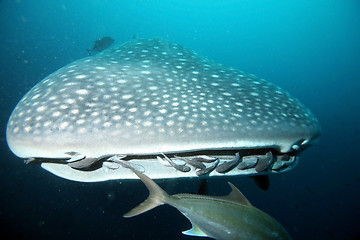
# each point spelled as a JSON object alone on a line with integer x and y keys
{"x": 189, "y": 164}
{"x": 163, "y": 109}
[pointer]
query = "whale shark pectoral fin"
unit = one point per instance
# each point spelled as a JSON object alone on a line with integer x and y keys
{"x": 195, "y": 231}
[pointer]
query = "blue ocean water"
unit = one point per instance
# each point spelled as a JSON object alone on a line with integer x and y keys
{"x": 309, "y": 48}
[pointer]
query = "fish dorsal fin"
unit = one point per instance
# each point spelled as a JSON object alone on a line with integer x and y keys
{"x": 195, "y": 231}
{"x": 236, "y": 196}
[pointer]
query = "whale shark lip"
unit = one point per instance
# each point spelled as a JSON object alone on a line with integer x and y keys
{"x": 107, "y": 169}
{"x": 151, "y": 96}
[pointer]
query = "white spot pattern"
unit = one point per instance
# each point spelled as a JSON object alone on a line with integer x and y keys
{"x": 144, "y": 91}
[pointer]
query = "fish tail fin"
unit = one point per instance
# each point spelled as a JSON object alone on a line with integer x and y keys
{"x": 156, "y": 197}
{"x": 89, "y": 51}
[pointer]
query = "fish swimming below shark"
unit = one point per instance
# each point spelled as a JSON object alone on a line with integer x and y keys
{"x": 230, "y": 217}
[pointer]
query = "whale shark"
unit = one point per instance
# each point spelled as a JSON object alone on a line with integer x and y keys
{"x": 165, "y": 109}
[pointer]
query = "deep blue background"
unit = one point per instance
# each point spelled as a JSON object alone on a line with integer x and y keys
{"x": 310, "y": 48}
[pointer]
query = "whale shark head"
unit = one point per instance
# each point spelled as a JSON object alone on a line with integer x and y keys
{"x": 149, "y": 97}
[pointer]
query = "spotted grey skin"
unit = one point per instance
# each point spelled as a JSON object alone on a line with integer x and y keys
{"x": 148, "y": 97}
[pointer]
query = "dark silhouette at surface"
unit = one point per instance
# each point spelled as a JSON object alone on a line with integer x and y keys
{"x": 101, "y": 44}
